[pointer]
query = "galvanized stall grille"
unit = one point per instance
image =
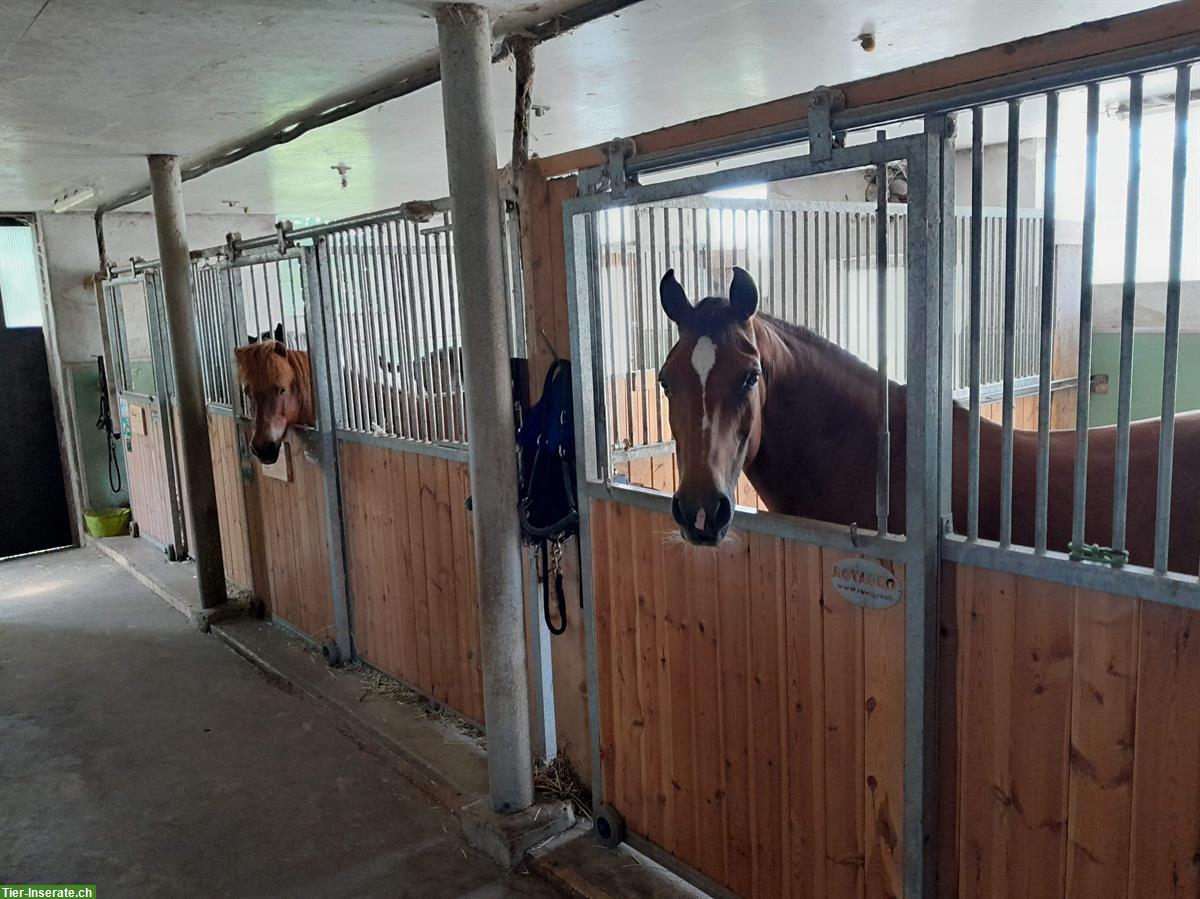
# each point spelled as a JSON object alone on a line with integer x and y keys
{"x": 815, "y": 265}
{"x": 396, "y": 328}
{"x": 1147, "y": 500}
{"x": 210, "y": 289}
{"x": 272, "y": 298}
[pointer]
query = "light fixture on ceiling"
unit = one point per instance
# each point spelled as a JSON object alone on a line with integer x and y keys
{"x": 866, "y": 38}
{"x": 70, "y": 201}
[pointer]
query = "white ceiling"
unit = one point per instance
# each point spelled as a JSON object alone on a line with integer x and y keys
{"x": 91, "y": 86}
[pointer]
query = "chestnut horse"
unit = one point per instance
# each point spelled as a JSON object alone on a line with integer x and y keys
{"x": 799, "y": 415}
{"x": 279, "y": 382}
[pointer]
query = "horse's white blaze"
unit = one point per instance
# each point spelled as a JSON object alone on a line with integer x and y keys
{"x": 704, "y": 357}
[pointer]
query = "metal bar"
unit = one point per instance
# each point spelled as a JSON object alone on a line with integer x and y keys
{"x": 924, "y": 335}
{"x": 160, "y": 352}
{"x": 456, "y": 382}
{"x": 976, "y": 316}
{"x": 1166, "y": 441}
{"x": 337, "y": 272}
{"x": 387, "y": 332}
{"x": 1010, "y": 318}
{"x": 316, "y": 268}
{"x": 464, "y": 44}
{"x": 1134, "y": 581}
{"x": 350, "y": 376}
{"x": 1016, "y": 85}
{"x": 1128, "y": 309}
{"x": 171, "y": 228}
{"x": 1083, "y": 394}
{"x": 1046, "y": 327}
{"x": 883, "y": 469}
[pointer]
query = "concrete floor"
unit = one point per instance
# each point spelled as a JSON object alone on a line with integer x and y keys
{"x": 142, "y": 756}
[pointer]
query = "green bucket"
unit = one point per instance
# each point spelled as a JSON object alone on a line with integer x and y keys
{"x": 107, "y": 522}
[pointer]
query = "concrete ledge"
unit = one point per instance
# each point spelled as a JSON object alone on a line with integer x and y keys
{"x": 506, "y": 839}
{"x": 174, "y": 582}
{"x": 577, "y": 865}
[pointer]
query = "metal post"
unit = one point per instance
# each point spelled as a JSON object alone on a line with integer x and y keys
{"x": 465, "y": 50}
{"x": 193, "y": 418}
{"x": 318, "y": 313}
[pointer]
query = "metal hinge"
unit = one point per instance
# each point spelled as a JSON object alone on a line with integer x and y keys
{"x": 610, "y": 176}
{"x": 232, "y": 239}
{"x": 283, "y": 236}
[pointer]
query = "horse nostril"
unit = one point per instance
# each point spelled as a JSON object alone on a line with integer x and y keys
{"x": 723, "y": 514}
{"x": 677, "y": 512}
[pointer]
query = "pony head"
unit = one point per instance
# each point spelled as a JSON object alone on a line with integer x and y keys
{"x": 713, "y": 381}
{"x": 277, "y": 380}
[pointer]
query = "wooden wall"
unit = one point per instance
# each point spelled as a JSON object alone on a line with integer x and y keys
{"x": 288, "y": 550}
{"x": 412, "y": 571}
{"x": 227, "y": 475}
{"x": 1070, "y": 741}
{"x": 149, "y": 491}
{"x": 752, "y": 719}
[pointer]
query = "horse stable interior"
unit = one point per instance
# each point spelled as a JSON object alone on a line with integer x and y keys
{"x": 930, "y": 635}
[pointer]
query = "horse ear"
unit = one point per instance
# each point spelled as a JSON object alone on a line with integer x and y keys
{"x": 674, "y": 301}
{"x": 250, "y": 338}
{"x": 279, "y": 332}
{"x": 743, "y": 294}
{"x": 280, "y": 349}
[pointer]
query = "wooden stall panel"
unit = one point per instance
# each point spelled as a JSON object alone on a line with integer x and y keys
{"x": 149, "y": 492}
{"x": 288, "y": 551}
{"x": 1075, "y": 741}
{"x": 227, "y": 477}
{"x": 412, "y": 571}
{"x": 752, "y": 720}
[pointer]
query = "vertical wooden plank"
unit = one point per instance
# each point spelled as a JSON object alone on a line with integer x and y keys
{"x": 768, "y": 669}
{"x": 421, "y": 580}
{"x": 844, "y": 788}
{"x": 949, "y": 671}
{"x": 806, "y": 722}
{"x": 451, "y": 659}
{"x": 602, "y": 551}
{"x": 390, "y": 574}
{"x": 683, "y": 840}
{"x": 473, "y": 607}
{"x": 883, "y": 678}
{"x": 644, "y": 529}
{"x": 664, "y": 792}
{"x": 1040, "y": 737}
{"x": 985, "y": 792}
{"x": 1166, "y": 776}
{"x": 707, "y": 735}
{"x": 627, "y": 711}
{"x": 462, "y": 549}
{"x": 437, "y": 573}
{"x": 1102, "y": 740}
{"x": 733, "y": 583}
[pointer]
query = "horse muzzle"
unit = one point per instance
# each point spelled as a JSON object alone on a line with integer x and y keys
{"x": 703, "y": 523}
{"x": 267, "y": 453}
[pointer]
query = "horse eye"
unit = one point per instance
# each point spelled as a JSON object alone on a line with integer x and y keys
{"x": 750, "y": 381}
{"x": 282, "y": 391}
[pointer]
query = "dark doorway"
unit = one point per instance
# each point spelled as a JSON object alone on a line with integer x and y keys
{"x": 33, "y": 497}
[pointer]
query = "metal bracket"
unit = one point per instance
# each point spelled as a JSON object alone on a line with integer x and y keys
{"x": 610, "y": 176}
{"x": 283, "y": 236}
{"x": 822, "y": 103}
{"x": 232, "y": 239}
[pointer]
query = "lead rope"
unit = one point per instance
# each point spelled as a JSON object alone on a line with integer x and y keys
{"x": 554, "y": 566}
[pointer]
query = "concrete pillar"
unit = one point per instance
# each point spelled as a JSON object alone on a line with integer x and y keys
{"x": 465, "y": 48}
{"x": 167, "y": 191}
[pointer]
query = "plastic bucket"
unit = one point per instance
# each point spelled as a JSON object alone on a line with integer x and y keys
{"x": 107, "y": 522}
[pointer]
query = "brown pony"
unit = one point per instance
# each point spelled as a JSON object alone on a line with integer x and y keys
{"x": 279, "y": 382}
{"x": 799, "y": 415}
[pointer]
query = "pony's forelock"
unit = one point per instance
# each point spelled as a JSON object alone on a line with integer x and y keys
{"x": 261, "y": 367}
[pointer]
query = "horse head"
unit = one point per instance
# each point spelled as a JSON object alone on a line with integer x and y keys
{"x": 279, "y": 385}
{"x": 713, "y": 381}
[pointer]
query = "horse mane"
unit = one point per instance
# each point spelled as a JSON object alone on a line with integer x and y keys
{"x": 261, "y": 367}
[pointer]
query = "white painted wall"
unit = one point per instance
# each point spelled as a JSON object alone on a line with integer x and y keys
{"x": 72, "y": 261}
